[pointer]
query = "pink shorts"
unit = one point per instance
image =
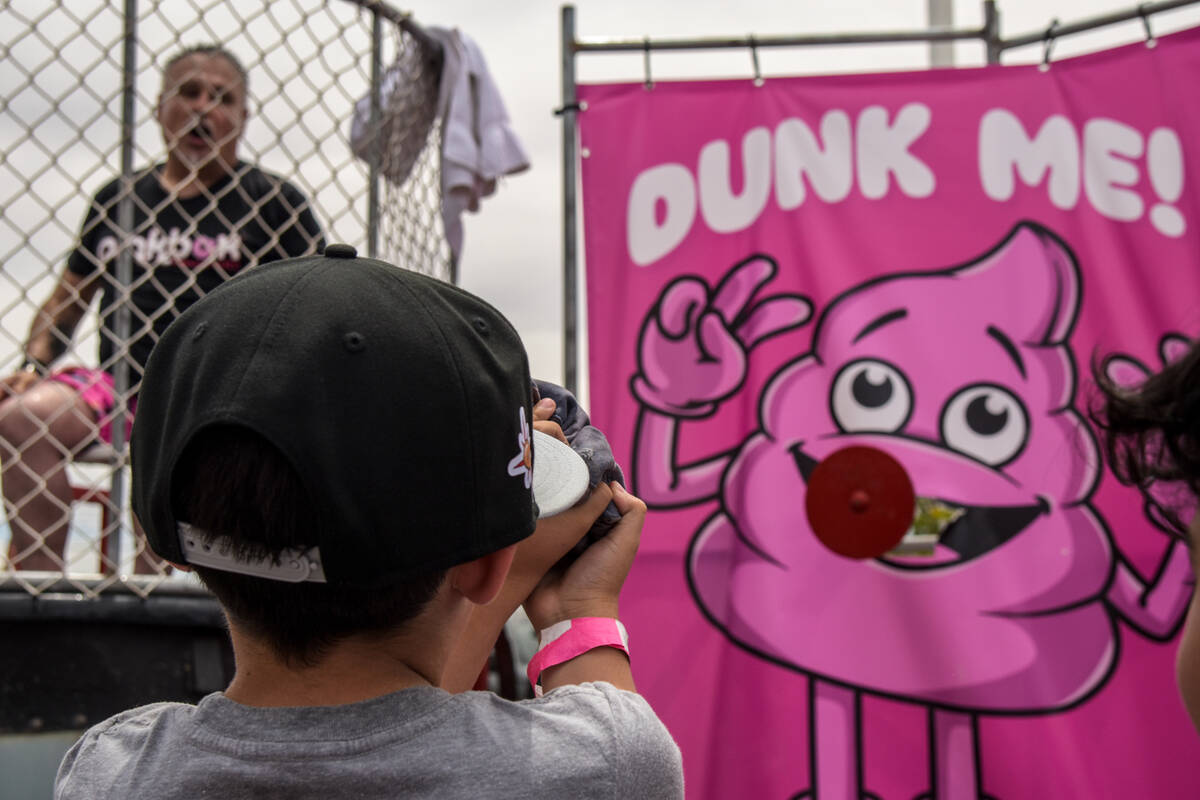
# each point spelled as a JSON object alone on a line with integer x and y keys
{"x": 97, "y": 390}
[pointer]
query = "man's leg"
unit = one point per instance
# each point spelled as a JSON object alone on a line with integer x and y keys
{"x": 40, "y": 431}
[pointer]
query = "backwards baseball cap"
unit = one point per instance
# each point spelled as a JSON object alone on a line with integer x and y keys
{"x": 403, "y": 403}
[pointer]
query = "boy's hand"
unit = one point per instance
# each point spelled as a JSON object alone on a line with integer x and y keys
{"x": 536, "y": 554}
{"x": 591, "y": 585}
{"x": 553, "y": 538}
{"x": 542, "y": 412}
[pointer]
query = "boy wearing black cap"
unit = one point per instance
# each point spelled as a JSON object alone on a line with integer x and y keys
{"x": 346, "y": 454}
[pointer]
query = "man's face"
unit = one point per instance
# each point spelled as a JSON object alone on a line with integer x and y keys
{"x": 202, "y": 110}
{"x": 1187, "y": 663}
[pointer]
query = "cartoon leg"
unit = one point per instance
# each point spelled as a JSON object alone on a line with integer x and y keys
{"x": 834, "y": 714}
{"x": 954, "y": 756}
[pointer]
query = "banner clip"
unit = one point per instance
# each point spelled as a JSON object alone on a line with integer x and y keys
{"x": 646, "y": 50}
{"x": 1150, "y": 40}
{"x": 581, "y": 106}
{"x": 758, "y": 78}
{"x": 1048, "y": 44}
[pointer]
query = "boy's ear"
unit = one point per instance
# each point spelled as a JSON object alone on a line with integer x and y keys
{"x": 480, "y": 580}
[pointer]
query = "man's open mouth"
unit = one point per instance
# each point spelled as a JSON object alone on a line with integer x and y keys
{"x": 199, "y": 134}
{"x": 979, "y": 530}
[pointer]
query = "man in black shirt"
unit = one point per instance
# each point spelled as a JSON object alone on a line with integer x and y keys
{"x": 199, "y": 218}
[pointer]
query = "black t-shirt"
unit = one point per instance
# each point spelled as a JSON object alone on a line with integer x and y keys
{"x": 185, "y": 247}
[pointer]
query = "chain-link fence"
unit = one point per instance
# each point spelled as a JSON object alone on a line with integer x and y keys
{"x": 93, "y": 125}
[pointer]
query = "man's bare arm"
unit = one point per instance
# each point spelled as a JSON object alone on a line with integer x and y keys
{"x": 59, "y": 316}
{"x": 53, "y": 326}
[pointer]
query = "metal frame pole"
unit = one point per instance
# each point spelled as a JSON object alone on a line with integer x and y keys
{"x": 376, "y": 144}
{"x": 941, "y": 15}
{"x": 125, "y": 223}
{"x": 991, "y": 31}
{"x": 570, "y": 266}
{"x": 747, "y": 42}
{"x": 1091, "y": 23}
{"x": 381, "y": 9}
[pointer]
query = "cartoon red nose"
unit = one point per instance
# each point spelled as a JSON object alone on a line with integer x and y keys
{"x": 860, "y": 502}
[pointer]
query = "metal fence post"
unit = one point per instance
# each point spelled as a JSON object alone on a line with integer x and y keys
{"x": 570, "y": 267}
{"x": 121, "y": 378}
{"x": 991, "y": 31}
{"x": 376, "y": 138}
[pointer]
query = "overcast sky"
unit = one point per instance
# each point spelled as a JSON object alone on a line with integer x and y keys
{"x": 513, "y": 248}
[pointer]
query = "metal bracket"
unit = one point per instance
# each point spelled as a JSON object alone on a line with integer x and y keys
{"x": 1048, "y": 44}
{"x": 1150, "y": 40}
{"x": 646, "y": 58}
{"x": 758, "y": 78}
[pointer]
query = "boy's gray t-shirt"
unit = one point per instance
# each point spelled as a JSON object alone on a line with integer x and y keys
{"x": 587, "y": 741}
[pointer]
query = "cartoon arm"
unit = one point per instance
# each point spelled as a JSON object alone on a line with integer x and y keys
{"x": 692, "y": 354}
{"x": 1155, "y": 610}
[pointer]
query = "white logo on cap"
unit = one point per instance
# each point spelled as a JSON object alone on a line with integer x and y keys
{"x": 522, "y": 462}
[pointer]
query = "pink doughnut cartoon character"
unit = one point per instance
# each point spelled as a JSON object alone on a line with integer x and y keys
{"x": 965, "y": 376}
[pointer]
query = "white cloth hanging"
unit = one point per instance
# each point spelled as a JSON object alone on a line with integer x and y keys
{"x": 479, "y": 144}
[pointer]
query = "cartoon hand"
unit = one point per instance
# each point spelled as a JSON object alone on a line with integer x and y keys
{"x": 693, "y": 346}
{"x": 1127, "y": 372}
{"x": 1156, "y": 609}
{"x": 1168, "y": 504}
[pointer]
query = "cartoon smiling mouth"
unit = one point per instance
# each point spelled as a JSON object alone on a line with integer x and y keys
{"x": 979, "y": 530}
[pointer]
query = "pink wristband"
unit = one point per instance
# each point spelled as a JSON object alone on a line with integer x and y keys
{"x": 564, "y": 640}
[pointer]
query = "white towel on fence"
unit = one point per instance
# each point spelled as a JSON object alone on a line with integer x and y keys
{"x": 479, "y": 144}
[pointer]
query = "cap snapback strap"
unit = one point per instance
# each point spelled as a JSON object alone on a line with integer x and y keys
{"x": 293, "y": 565}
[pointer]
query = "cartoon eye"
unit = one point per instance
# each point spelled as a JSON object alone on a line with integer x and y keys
{"x": 870, "y": 395}
{"x": 986, "y": 422}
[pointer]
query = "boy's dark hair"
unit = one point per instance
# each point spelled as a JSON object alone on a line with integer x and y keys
{"x": 232, "y": 482}
{"x": 1152, "y": 431}
{"x": 210, "y": 50}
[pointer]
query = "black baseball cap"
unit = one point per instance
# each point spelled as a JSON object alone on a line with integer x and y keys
{"x": 402, "y": 402}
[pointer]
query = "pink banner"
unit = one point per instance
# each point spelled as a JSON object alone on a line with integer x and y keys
{"x": 926, "y": 263}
